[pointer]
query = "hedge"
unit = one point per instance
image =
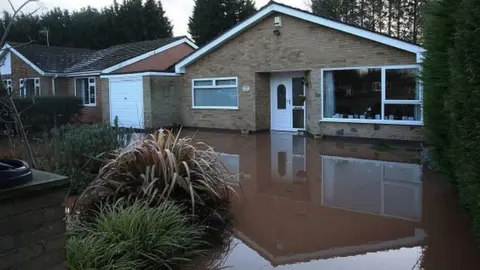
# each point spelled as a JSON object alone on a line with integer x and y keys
{"x": 452, "y": 98}
{"x": 44, "y": 113}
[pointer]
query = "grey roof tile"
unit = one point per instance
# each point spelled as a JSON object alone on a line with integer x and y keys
{"x": 52, "y": 58}
{"x": 116, "y": 54}
{"x": 68, "y": 60}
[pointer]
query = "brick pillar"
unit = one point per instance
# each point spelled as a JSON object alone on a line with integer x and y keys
{"x": 32, "y": 226}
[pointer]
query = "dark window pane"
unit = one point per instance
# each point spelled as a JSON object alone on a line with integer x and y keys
{"x": 298, "y": 92}
{"x": 281, "y": 97}
{"x": 30, "y": 87}
{"x": 92, "y": 94}
{"x": 402, "y": 84}
{"x": 203, "y": 83}
{"x": 216, "y": 97}
{"x": 352, "y": 94}
{"x": 298, "y": 119}
{"x": 402, "y": 112}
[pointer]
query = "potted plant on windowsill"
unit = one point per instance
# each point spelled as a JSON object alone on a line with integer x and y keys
{"x": 14, "y": 172}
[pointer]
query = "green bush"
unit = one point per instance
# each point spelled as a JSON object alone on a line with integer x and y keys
{"x": 164, "y": 167}
{"x": 44, "y": 113}
{"x": 80, "y": 150}
{"x": 439, "y": 35}
{"x": 134, "y": 237}
{"x": 452, "y": 97}
{"x": 464, "y": 107}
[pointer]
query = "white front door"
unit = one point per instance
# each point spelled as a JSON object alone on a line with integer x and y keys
{"x": 281, "y": 100}
{"x": 287, "y": 103}
{"x": 288, "y": 157}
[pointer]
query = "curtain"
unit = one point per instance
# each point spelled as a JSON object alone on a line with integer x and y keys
{"x": 329, "y": 89}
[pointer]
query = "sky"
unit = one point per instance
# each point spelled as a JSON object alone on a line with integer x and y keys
{"x": 177, "y": 10}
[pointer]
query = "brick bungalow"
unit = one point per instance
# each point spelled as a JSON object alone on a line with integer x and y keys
{"x": 38, "y": 70}
{"x": 288, "y": 69}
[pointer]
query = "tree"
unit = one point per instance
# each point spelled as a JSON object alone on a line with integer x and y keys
{"x": 398, "y": 18}
{"x": 213, "y": 17}
{"x": 6, "y": 100}
{"x": 439, "y": 39}
{"x": 93, "y": 28}
{"x": 342, "y": 10}
{"x": 157, "y": 25}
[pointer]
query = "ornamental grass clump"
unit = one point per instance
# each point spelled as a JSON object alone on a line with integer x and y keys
{"x": 163, "y": 167}
{"x": 134, "y": 236}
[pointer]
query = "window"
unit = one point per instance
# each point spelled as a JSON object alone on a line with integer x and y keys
{"x": 30, "y": 87}
{"x": 281, "y": 97}
{"x": 219, "y": 93}
{"x": 86, "y": 89}
{"x": 373, "y": 94}
{"x": 8, "y": 85}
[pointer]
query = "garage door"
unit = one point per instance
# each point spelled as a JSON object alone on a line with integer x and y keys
{"x": 126, "y": 101}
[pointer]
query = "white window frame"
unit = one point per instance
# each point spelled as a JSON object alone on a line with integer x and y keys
{"x": 8, "y": 84}
{"x": 94, "y": 84}
{"x": 36, "y": 83}
{"x": 385, "y": 101}
{"x": 214, "y": 85}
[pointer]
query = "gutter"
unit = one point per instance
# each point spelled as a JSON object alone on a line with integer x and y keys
{"x": 53, "y": 84}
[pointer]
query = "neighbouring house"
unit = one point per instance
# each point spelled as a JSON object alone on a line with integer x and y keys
{"x": 122, "y": 72}
{"x": 288, "y": 69}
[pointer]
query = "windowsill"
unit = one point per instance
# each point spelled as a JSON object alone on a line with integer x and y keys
{"x": 373, "y": 121}
{"x": 89, "y": 105}
{"x": 215, "y": 108}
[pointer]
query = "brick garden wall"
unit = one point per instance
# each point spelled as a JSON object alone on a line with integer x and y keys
{"x": 32, "y": 230}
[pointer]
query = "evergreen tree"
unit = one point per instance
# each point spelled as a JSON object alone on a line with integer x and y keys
{"x": 439, "y": 40}
{"x": 92, "y": 28}
{"x": 157, "y": 25}
{"x": 398, "y": 18}
{"x": 213, "y": 17}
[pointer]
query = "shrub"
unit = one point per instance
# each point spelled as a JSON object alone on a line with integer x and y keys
{"x": 452, "y": 96}
{"x": 78, "y": 150}
{"x": 163, "y": 167}
{"x": 464, "y": 108}
{"x": 44, "y": 113}
{"x": 134, "y": 237}
{"x": 439, "y": 35}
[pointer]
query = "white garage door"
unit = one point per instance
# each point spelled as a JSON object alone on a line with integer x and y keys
{"x": 126, "y": 101}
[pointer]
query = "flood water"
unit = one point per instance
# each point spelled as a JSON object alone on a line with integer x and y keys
{"x": 324, "y": 204}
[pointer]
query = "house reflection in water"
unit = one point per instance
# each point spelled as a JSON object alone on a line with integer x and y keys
{"x": 302, "y": 206}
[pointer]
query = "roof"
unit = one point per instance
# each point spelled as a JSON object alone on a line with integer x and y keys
{"x": 75, "y": 61}
{"x": 51, "y": 58}
{"x": 273, "y": 7}
{"x": 114, "y": 55}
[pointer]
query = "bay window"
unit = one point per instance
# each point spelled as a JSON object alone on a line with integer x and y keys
{"x": 215, "y": 93}
{"x": 86, "y": 89}
{"x": 388, "y": 94}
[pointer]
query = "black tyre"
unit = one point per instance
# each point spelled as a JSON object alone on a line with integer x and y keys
{"x": 14, "y": 172}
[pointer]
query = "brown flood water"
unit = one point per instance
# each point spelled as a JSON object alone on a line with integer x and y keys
{"x": 323, "y": 204}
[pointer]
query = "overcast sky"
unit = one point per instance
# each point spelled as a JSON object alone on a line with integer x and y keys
{"x": 177, "y": 10}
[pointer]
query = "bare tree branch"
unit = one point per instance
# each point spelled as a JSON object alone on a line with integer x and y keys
{"x": 15, "y": 114}
{"x": 12, "y": 20}
{"x": 11, "y": 5}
